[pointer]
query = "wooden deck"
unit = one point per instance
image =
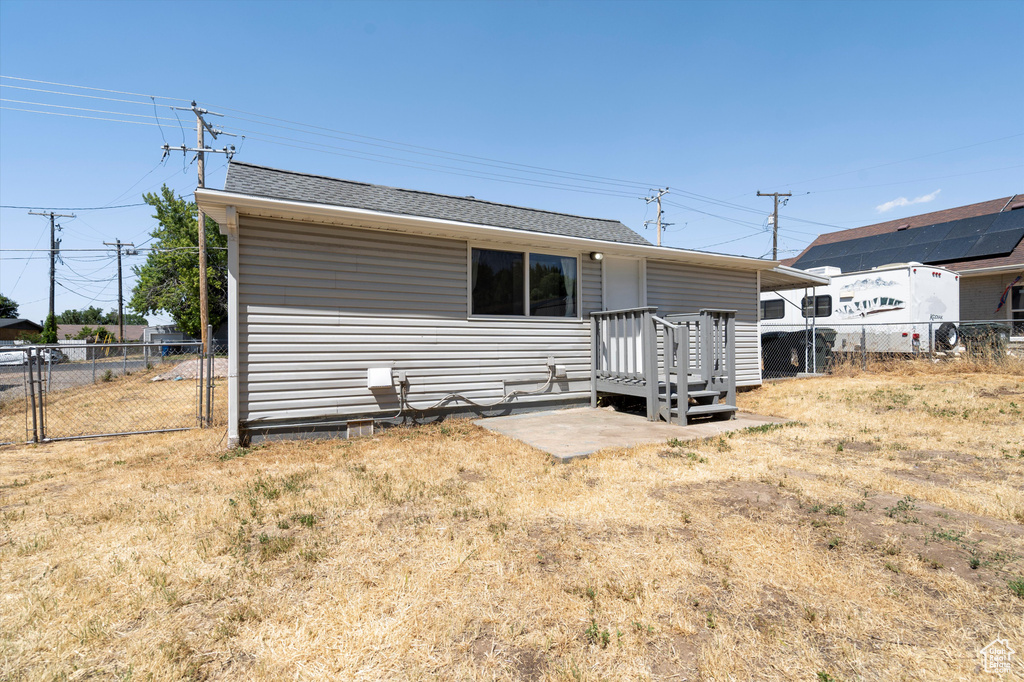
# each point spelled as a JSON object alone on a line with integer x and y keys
{"x": 682, "y": 365}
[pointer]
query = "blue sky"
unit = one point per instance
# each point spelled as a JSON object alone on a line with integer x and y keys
{"x": 851, "y": 106}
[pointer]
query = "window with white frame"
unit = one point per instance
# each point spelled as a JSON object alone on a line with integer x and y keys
{"x": 522, "y": 283}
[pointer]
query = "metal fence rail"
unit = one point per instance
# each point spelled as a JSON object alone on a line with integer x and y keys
{"x": 792, "y": 350}
{"x": 104, "y": 389}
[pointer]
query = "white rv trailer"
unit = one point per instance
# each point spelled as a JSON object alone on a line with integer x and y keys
{"x": 896, "y": 308}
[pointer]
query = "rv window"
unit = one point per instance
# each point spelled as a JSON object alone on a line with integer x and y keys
{"x": 497, "y": 282}
{"x": 773, "y": 309}
{"x": 818, "y": 306}
{"x": 552, "y": 286}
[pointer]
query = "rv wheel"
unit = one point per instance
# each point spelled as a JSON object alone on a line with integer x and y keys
{"x": 947, "y": 336}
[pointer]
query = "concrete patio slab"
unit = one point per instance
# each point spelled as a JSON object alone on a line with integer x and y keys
{"x": 578, "y": 432}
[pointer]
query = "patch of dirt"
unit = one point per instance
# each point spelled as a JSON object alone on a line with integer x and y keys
{"x": 855, "y": 446}
{"x": 677, "y": 657}
{"x": 895, "y": 528}
{"x": 472, "y": 476}
{"x": 190, "y": 370}
{"x": 936, "y": 456}
{"x": 998, "y": 393}
{"x": 528, "y": 664}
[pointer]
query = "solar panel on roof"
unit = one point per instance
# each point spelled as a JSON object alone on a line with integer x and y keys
{"x": 1007, "y": 220}
{"x": 970, "y": 227}
{"x": 883, "y": 257}
{"x": 977, "y": 237}
{"x": 952, "y": 249}
{"x": 996, "y": 243}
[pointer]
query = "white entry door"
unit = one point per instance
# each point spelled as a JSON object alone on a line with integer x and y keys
{"x": 621, "y": 283}
{"x": 622, "y": 290}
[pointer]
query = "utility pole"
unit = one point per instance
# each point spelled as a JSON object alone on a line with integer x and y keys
{"x": 201, "y": 150}
{"x": 659, "y": 194}
{"x": 120, "y": 295}
{"x": 54, "y": 246}
{"x": 775, "y": 219}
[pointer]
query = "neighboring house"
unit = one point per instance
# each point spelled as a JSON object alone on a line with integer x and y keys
{"x": 11, "y": 328}
{"x": 983, "y": 243}
{"x": 330, "y": 278}
{"x": 132, "y": 332}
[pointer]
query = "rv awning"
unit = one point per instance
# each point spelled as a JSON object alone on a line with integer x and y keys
{"x": 783, "y": 277}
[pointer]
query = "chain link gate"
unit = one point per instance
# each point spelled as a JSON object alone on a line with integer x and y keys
{"x": 85, "y": 391}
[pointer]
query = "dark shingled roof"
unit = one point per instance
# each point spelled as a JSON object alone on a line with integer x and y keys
{"x": 272, "y": 183}
{"x": 925, "y": 220}
{"x": 19, "y": 323}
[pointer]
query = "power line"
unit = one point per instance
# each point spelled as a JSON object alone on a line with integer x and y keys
{"x": 64, "y": 106}
{"x": 78, "y": 208}
{"x": 86, "y": 87}
{"x": 94, "y": 118}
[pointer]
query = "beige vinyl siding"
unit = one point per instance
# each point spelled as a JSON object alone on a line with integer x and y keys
{"x": 590, "y": 285}
{"x": 679, "y": 288}
{"x": 979, "y": 296}
{"x": 320, "y": 304}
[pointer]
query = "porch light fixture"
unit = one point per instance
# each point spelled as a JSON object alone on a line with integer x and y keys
{"x": 596, "y": 255}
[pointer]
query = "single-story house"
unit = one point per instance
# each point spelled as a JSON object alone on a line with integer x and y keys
{"x": 983, "y": 243}
{"x": 338, "y": 291}
{"x": 12, "y": 328}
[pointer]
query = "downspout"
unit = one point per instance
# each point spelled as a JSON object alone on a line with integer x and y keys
{"x": 233, "y": 322}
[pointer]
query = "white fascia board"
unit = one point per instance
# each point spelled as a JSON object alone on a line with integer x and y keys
{"x": 216, "y": 202}
{"x": 995, "y": 270}
{"x": 801, "y": 276}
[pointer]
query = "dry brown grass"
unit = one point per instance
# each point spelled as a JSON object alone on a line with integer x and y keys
{"x": 448, "y": 551}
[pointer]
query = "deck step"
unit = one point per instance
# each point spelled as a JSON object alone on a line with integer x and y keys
{"x": 713, "y": 393}
{"x": 696, "y": 410}
{"x": 704, "y": 394}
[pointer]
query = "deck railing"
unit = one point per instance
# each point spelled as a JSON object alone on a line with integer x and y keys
{"x": 696, "y": 349}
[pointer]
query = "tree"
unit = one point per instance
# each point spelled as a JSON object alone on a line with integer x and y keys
{"x": 90, "y": 315}
{"x": 8, "y": 308}
{"x": 169, "y": 279}
{"x": 50, "y": 329}
{"x": 94, "y": 315}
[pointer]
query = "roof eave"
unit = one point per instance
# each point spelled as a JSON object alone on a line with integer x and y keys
{"x": 784, "y": 277}
{"x": 994, "y": 270}
{"x": 216, "y": 204}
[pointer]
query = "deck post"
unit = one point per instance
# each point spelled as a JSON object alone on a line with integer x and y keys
{"x": 707, "y": 354}
{"x": 650, "y": 361}
{"x": 667, "y": 344}
{"x": 683, "y": 372}
{"x": 595, "y": 341}
{"x": 730, "y": 359}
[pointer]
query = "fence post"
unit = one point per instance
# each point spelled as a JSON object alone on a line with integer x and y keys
{"x": 209, "y": 375}
{"x": 145, "y": 355}
{"x": 931, "y": 340}
{"x": 863, "y": 348}
{"x": 124, "y": 364}
{"x": 93, "y": 365}
{"x": 199, "y": 386}
{"x": 32, "y": 397}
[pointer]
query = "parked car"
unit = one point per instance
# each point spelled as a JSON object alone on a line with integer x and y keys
{"x": 20, "y": 357}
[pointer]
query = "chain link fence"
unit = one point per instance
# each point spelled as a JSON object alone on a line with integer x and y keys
{"x": 790, "y": 350}
{"x": 60, "y": 392}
